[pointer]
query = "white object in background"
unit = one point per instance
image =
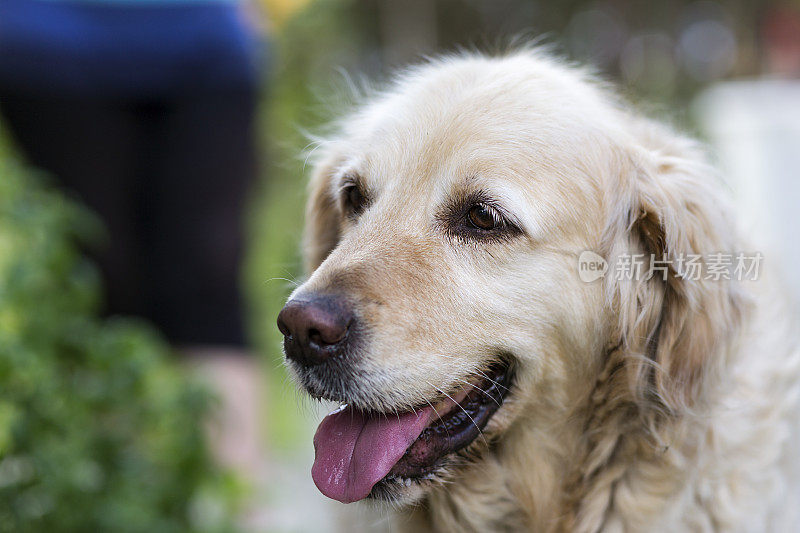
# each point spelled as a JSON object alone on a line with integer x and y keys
{"x": 755, "y": 128}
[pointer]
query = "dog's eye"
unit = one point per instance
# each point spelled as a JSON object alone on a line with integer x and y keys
{"x": 354, "y": 199}
{"x": 482, "y": 217}
{"x": 478, "y": 218}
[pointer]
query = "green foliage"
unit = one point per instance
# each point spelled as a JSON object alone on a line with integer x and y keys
{"x": 98, "y": 430}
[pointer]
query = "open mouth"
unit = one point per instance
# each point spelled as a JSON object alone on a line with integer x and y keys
{"x": 357, "y": 452}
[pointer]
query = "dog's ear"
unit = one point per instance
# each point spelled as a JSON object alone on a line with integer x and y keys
{"x": 323, "y": 220}
{"x": 674, "y": 328}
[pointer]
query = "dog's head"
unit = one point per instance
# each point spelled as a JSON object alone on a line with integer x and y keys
{"x": 445, "y": 306}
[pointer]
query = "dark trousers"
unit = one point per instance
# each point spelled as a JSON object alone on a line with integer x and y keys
{"x": 169, "y": 178}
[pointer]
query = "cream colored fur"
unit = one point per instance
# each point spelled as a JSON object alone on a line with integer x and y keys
{"x": 637, "y": 406}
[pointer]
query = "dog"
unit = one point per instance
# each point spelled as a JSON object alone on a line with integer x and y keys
{"x": 485, "y": 383}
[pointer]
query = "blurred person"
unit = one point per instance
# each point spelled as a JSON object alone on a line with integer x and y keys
{"x": 145, "y": 110}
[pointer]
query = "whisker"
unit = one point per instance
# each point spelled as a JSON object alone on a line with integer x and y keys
{"x": 287, "y": 280}
{"x": 480, "y": 389}
{"x": 477, "y": 371}
{"x": 465, "y": 412}
{"x": 438, "y": 415}
{"x": 490, "y": 379}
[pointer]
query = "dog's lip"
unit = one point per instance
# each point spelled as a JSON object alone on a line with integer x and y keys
{"x": 463, "y": 421}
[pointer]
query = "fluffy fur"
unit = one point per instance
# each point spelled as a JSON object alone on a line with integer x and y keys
{"x": 642, "y": 405}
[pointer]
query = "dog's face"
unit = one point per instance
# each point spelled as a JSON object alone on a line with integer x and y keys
{"x": 445, "y": 226}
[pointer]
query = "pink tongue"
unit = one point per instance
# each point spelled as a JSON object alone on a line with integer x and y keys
{"x": 355, "y": 450}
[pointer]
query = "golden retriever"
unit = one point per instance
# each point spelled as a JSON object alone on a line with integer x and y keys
{"x": 487, "y": 385}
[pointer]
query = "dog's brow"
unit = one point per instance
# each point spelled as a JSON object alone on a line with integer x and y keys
{"x": 508, "y": 199}
{"x": 514, "y": 205}
{"x": 345, "y": 177}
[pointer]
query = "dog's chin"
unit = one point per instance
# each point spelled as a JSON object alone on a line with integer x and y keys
{"x": 399, "y": 456}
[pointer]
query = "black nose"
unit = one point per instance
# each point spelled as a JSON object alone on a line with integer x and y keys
{"x": 314, "y": 329}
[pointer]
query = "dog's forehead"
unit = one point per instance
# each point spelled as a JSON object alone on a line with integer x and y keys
{"x": 471, "y": 118}
{"x": 479, "y": 140}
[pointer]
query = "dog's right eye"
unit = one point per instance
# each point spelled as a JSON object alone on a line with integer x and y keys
{"x": 354, "y": 200}
{"x": 481, "y": 217}
{"x": 477, "y": 217}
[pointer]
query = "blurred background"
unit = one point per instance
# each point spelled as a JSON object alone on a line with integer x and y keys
{"x": 103, "y": 427}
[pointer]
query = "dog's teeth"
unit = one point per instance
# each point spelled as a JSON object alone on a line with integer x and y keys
{"x": 338, "y": 409}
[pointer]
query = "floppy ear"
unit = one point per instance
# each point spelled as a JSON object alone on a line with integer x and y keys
{"x": 322, "y": 226}
{"x": 674, "y": 333}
